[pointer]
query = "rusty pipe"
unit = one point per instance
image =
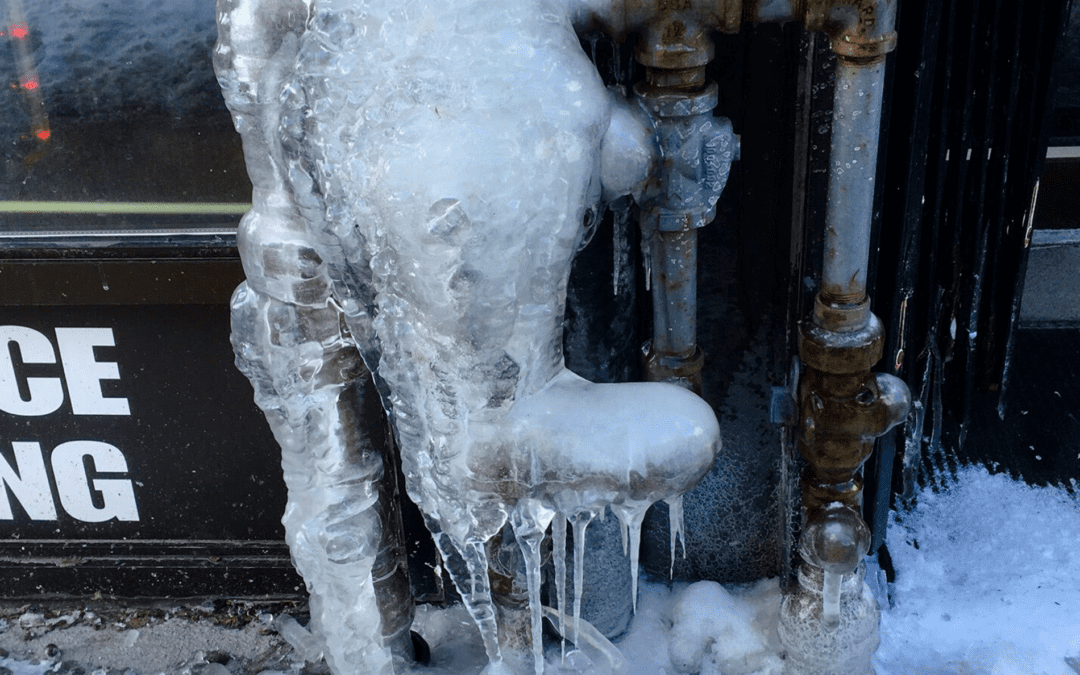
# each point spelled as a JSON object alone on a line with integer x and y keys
{"x": 695, "y": 154}
{"x": 843, "y": 406}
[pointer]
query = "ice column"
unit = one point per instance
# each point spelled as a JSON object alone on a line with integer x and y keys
{"x": 432, "y": 164}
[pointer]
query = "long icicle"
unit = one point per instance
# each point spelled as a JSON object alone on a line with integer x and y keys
{"x": 558, "y": 545}
{"x": 675, "y": 526}
{"x": 580, "y": 522}
{"x": 530, "y": 521}
{"x": 630, "y": 514}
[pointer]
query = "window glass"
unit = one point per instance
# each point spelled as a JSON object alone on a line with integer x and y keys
{"x": 112, "y": 119}
{"x": 1065, "y": 118}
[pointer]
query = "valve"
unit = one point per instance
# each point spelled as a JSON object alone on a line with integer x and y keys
{"x": 696, "y": 152}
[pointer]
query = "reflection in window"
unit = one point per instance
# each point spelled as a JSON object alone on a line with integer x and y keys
{"x": 111, "y": 118}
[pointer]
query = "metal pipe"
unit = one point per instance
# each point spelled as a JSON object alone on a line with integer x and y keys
{"x": 696, "y": 150}
{"x": 674, "y": 276}
{"x": 853, "y": 167}
{"x": 843, "y": 406}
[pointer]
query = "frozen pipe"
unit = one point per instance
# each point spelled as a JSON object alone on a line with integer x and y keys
{"x": 843, "y": 406}
{"x": 853, "y": 166}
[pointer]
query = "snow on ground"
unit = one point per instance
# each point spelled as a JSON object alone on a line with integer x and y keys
{"x": 987, "y": 583}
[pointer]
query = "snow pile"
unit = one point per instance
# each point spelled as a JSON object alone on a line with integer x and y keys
{"x": 986, "y": 584}
{"x": 987, "y": 581}
{"x": 712, "y": 629}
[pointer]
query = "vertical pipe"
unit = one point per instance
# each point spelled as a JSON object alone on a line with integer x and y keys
{"x": 843, "y": 406}
{"x": 853, "y": 166}
{"x": 674, "y": 270}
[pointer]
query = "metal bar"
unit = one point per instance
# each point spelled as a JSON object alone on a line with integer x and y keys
{"x": 147, "y": 208}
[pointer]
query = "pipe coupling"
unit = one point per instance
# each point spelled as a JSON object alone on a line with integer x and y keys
{"x": 842, "y": 352}
{"x": 681, "y": 369}
{"x": 860, "y": 31}
{"x": 863, "y": 50}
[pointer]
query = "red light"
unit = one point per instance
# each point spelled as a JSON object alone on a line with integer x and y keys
{"x": 20, "y": 30}
{"x": 30, "y": 83}
{"x": 44, "y": 134}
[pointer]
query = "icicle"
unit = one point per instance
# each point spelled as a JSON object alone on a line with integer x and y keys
{"x": 630, "y": 514}
{"x": 620, "y": 246}
{"x": 558, "y": 541}
{"x": 580, "y": 522}
{"x": 624, "y": 532}
{"x": 830, "y": 599}
{"x": 675, "y": 526}
{"x": 530, "y": 521}
{"x": 468, "y": 567}
{"x": 591, "y": 639}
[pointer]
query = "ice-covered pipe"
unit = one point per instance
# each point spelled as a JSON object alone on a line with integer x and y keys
{"x": 343, "y": 522}
{"x": 423, "y": 171}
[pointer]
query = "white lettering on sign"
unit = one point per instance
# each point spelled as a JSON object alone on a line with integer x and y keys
{"x": 46, "y": 393}
{"x": 82, "y": 371}
{"x": 79, "y": 468}
{"x": 117, "y": 494}
{"x": 29, "y": 482}
{"x": 84, "y": 374}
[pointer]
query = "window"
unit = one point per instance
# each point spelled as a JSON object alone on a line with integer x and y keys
{"x": 113, "y": 121}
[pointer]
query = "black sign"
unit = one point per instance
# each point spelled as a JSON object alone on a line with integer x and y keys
{"x": 131, "y": 454}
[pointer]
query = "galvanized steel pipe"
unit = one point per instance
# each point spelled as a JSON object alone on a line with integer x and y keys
{"x": 674, "y": 275}
{"x": 853, "y": 167}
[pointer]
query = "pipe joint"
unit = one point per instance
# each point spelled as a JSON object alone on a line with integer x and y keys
{"x": 838, "y": 428}
{"x": 674, "y": 41}
{"x": 839, "y": 316}
{"x": 680, "y": 369}
{"x": 860, "y": 31}
{"x": 842, "y": 352}
{"x": 860, "y": 50}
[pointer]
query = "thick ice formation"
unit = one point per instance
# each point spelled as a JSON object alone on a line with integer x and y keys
{"x": 422, "y": 171}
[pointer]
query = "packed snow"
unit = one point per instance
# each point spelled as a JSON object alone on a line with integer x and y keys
{"x": 986, "y": 584}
